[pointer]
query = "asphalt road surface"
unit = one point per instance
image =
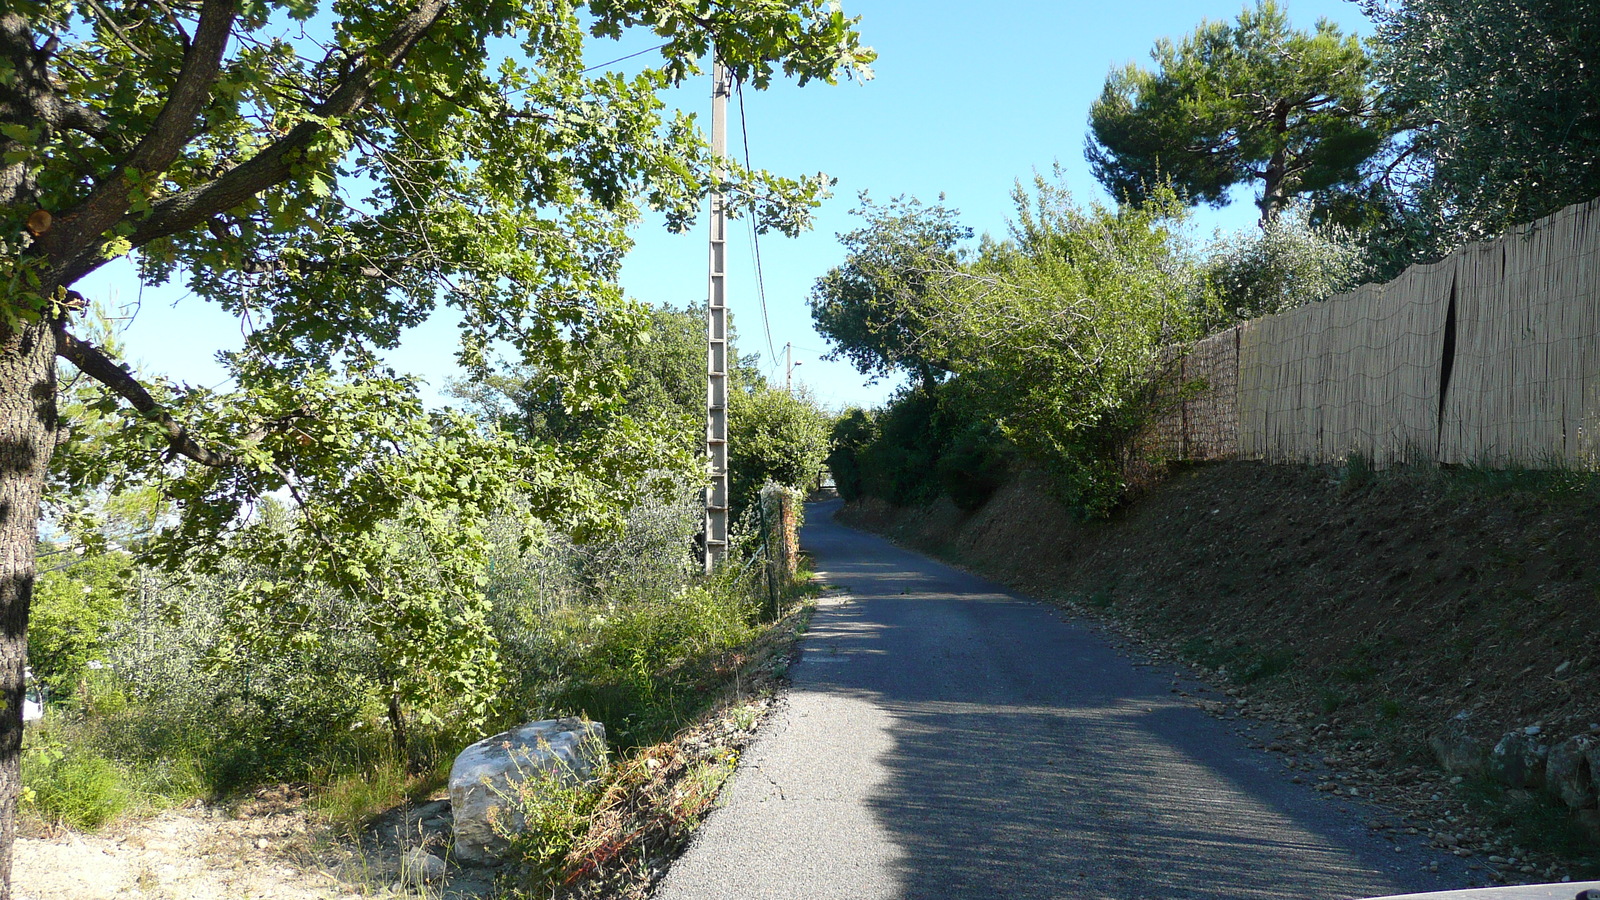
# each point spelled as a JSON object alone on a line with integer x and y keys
{"x": 945, "y": 738}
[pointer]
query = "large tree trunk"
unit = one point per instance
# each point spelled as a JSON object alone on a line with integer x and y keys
{"x": 1274, "y": 189}
{"x": 1273, "y": 195}
{"x": 27, "y": 439}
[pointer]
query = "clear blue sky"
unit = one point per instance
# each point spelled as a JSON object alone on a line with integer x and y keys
{"x": 965, "y": 102}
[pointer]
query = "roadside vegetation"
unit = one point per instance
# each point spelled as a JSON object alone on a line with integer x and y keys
{"x": 1041, "y": 345}
{"x": 170, "y": 680}
{"x": 325, "y": 586}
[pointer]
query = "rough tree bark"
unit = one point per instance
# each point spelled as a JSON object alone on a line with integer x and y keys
{"x": 27, "y": 440}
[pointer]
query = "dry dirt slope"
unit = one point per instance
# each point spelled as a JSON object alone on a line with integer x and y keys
{"x": 1364, "y": 611}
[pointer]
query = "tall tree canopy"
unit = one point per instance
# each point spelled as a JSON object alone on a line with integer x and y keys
{"x": 1252, "y": 102}
{"x": 332, "y": 172}
{"x": 1505, "y": 98}
{"x": 875, "y": 305}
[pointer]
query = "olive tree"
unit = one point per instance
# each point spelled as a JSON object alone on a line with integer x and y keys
{"x": 1504, "y": 107}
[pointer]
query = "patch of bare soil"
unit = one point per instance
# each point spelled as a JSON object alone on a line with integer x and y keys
{"x": 265, "y": 847}
{"x": 1360, "y": 614}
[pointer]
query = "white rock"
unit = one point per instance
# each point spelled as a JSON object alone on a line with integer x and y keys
{"x": 484, "y": 779}
{"x": 420, "y": 867}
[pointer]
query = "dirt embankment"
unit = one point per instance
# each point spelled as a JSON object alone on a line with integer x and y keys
{"x": 1363, "y": 612}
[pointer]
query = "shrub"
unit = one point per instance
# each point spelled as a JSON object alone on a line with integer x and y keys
{"x": 549, "y": 815}
{"x": 975, "y": 464}
{"x": 73, "y": 785}
{"x": 851, "y": 433}
{"x": 1287, "y": 263}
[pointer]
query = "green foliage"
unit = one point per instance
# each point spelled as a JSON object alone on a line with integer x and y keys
{"x": 900, "y": 463}
{"x": 1056, "y": 330}
{"x": 620, "y": 626}
{"x": 1050, "y": 335}
{"x": 1241, "y": 103}
{"x": 334, "y": 190}
{"x": 76, "y": 604}
{"x": 1289, "y": 262}
{"x": 550, "y": 816}
{"x": 352, "y": 800}
{"x": 641, "y": 667}
{"x": 852, "y": 431}
{"x": 875, "y": 306}
{"x": 660, "y": 378}
{"x": 1504, "y": 100}
{"x": 974, "y": 465}
{"x": 774, "y": 435}
{"x": 72, "y": 785}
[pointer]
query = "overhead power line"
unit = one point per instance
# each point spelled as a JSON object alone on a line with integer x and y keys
{"x": 755, "y": 237}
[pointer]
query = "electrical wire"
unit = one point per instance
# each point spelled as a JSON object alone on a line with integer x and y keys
{"x": 755, "y": 238}
{"x": 622, "y": 59}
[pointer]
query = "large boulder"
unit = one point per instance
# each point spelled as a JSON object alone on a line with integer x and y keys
{"x": 1570, "y": 771}
{"x": 484, "y": 779}
{"x": 1518, "y": 759}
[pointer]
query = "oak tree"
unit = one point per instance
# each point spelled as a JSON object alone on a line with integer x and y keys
{"x": 331, "y": 173}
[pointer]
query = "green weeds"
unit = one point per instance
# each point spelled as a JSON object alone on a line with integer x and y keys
{"x": 1245, "y": 664}
{"x": 1536, "y": 821}
{"x": 72, "y": 785}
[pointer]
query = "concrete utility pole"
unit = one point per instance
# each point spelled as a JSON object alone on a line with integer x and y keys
{"x": 788, "y": 367}
{"x": 717, "y": 332}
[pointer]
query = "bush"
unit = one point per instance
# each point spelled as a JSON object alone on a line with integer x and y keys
{"x": 549, "y": 816}
{"x": 73, "y": 785}
{"x": 775, "y": 435}
{"x": 900, "y": 464}
{"x": 974, "y": 466}
{"x": 851, "y": 433}
{"x": 75, "y": 609}
{"x": 1286, "y": 264}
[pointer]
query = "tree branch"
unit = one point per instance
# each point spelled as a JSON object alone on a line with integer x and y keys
{"x": 78, "y": 233}
{"x": 92, "y": 361}
{"x": 271, "y": 165}
{"x": 117, "y": 29}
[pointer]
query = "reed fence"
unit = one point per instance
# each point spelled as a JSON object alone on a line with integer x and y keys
{"x": 1490, "y": 356}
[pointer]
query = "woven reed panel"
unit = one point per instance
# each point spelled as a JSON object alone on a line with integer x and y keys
{"x": 1358, "y": 373}
{"x": 1210, "y": 406}
{"x": 1525, "y": 389}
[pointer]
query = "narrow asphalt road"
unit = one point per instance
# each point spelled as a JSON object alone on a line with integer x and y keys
{"x": 945, "y": 738}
